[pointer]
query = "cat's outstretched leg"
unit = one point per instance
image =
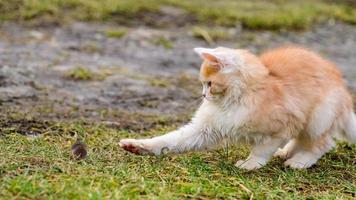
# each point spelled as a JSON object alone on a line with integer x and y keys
{"x": 188, "y": 138}
{"x": 261, "y": 154}
{"x": 307, "y": 152}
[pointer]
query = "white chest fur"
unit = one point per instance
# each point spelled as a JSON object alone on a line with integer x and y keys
{"x": 226, "y": 122}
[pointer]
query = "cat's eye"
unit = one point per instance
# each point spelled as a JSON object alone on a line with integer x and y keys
{"x": 209, "y": 84}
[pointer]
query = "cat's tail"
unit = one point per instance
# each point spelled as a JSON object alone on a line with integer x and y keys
{"x": 350, "y": 128}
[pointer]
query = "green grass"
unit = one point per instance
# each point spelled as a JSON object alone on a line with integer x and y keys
{"x": 210, "y": 35}
{"x": 115, "y": 33}
{"x": 256, "y": 14}
{"x": 278, "y": 14}
{"x": 162, "y": 41}
{"x": 83, "y": 74}
{"x": 160, "y": 83}
{"x": 42, "y": 167}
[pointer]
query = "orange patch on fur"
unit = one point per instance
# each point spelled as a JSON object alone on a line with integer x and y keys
{"x": 208, "y": 70}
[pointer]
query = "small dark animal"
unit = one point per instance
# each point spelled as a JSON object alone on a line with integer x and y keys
{"x": 79, "y": 150}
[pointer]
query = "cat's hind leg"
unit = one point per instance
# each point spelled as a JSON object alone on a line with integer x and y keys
{"x": 317, "y": 138}
{"x": 307, "y": 152}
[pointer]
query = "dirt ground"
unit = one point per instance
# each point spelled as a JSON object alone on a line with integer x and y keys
{"x": 134, "y": 73}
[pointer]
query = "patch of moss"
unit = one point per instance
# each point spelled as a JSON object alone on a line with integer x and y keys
{"x": 81, "y": 73}
{"x": 162, "y": 41}
{"x": 115, "y": 33}
{"x": 159, "y": 82}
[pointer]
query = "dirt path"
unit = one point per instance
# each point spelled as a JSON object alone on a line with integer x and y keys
{"x": 135, "y": 73}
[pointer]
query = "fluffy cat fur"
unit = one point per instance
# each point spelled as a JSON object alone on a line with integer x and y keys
{"x": 287, "y": 102}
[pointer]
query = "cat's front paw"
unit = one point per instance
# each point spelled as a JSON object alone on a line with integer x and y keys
{"x": 134, "y": 146}
{"x": 251, "y": 163}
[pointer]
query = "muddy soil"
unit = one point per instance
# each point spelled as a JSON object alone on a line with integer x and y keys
{"x": 137, "y": 73}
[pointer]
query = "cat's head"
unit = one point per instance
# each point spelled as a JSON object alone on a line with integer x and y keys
{"x": 226, "y": 72}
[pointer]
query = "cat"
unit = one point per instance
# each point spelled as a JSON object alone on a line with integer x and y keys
{"x": 288, "y": 102}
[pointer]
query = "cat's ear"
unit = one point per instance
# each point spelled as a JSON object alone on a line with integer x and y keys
{"x": 208, "y": 54}
{"x": 223, "y": 57}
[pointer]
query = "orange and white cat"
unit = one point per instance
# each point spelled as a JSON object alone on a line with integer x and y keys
{"x": 288, "y": 102}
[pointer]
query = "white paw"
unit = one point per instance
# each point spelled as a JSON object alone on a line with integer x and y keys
{"x": 281, "y": 153}
{"x": 251, "y": 163}
{"x": 134, "y": 146}
{"x": 299, "y": 163}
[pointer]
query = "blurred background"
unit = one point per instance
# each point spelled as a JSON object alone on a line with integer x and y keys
{"x": 73, "y": 58}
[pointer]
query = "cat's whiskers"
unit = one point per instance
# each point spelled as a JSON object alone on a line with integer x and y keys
{"x": 196, "y": 100}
